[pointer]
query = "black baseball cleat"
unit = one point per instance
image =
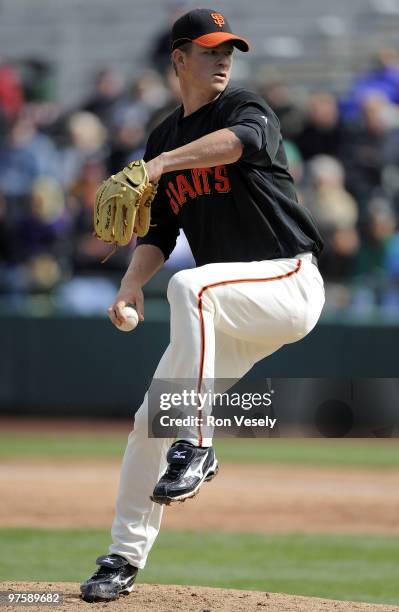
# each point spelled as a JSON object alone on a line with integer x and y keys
{"x": 189, "y": 466}
{"x": 114, "y": 577}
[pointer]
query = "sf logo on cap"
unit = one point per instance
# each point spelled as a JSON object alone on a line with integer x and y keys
{"x": 218, "y": 19}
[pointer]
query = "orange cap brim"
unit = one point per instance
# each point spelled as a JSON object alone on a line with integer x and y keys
{"x": 217, "y": 38}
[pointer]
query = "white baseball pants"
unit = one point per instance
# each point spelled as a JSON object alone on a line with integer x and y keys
{"x": 223, "y": 319}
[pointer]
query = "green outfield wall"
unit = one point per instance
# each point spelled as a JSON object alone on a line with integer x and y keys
{"x": 84, "y": 366}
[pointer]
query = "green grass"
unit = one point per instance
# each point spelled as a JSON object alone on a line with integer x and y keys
{"x": 61, "y": 445}
{"x": 321, "y": 452}
{"x": 339, "y": 567}
{"x": 346, "y": 453}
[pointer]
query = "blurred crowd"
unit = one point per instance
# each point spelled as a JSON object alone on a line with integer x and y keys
{"x": 343, "y": 152}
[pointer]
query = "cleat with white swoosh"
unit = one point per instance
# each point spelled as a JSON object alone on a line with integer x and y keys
{"x": 114, "y": 577}
{"x": 188, "y": 468}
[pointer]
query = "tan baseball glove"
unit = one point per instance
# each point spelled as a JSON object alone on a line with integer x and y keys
{"x": 123, "y": 205}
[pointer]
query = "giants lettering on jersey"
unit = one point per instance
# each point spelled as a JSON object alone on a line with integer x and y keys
{"x": 200, "y": 181}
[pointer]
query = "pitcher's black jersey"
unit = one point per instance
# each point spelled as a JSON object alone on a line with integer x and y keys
{"x": 245, "y": 211}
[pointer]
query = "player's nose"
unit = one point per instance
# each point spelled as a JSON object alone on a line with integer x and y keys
{"x": 223, "y": 61}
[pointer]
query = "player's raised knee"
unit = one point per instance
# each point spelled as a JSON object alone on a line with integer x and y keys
{"x": 309, "y": 321}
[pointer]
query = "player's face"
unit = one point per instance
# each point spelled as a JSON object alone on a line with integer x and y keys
{"x": 209, "y": 69}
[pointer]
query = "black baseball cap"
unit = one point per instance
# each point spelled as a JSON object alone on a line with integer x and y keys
{"x": 207, "y": 28}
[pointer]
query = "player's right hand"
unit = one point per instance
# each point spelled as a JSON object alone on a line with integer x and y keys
{"x": 133, "y": 296}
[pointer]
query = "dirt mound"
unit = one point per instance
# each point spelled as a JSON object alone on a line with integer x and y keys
{"x": 167, "y": 598}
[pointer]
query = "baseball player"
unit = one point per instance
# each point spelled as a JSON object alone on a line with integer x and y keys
{"x": 223, "y": 177}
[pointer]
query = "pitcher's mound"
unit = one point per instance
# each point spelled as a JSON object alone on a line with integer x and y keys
{"x": 167, "y": 598}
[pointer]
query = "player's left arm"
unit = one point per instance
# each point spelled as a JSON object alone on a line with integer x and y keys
{"x": 217, "y": 148}
{"x": 249, "y": 129}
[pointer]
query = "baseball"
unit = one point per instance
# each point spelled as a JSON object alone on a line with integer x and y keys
{"x": 132, "y": 319}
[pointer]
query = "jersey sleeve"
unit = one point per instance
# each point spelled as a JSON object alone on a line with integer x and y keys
{"x": 164, "y": 228}
{"x": 258, "y": 128}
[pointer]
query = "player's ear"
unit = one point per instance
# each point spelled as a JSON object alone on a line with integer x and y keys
{"x": 178, "y": 58}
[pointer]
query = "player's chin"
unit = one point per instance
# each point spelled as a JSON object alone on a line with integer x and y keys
{"x": 219, "y": 84}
